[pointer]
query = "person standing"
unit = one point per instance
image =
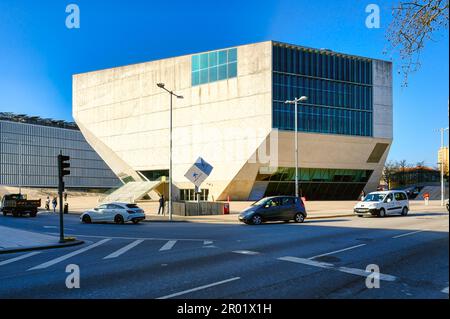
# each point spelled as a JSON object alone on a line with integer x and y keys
{"x": 162, "y": 202}
{"x": 65, "y": 196}
{"x": 54, "y": 203}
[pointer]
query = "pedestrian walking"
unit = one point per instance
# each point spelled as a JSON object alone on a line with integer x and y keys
{"x": 54, "y": 203}
{"x": 65, "y": 196}
{"x": 162, "y": 202}
{"x": 47, "y": 203}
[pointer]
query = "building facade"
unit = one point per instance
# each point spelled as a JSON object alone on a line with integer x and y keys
{"x": 29, "y": 147}
{"x": 234, "y": 115}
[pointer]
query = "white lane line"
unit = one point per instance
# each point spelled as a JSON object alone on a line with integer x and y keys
{"x": 307, "y": 262}
{"x": 245, "y": 252}
{"x": 124, "y": 249}
{"x": 207, "y": 242}
{"x": 74, "y": 253}
{"x": 168, "y": 246}
{"x": 9, "y": 261}
{"x": 364, "y": 273}
{"x": 353, "y": 271}
{"x": 410, "y": 233}
{"x": 445, "y": 290}
{"x": 199, "y": 288}
{"x": 131, "y": 238}
{"x": 337, "y": 251}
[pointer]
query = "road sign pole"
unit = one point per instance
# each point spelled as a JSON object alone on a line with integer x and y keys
{"x": 60, "y": 193}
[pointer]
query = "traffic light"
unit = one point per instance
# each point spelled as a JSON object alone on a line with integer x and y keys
{"x": 63, "y": 165}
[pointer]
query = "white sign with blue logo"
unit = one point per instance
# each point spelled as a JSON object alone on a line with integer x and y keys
{"x": 199, "y": 172}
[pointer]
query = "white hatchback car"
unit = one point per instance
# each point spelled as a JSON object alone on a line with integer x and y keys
{"x": 116, "y": 212}
{"x": 383, "y": 204}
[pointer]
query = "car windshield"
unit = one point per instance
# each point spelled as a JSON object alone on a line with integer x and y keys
{"x": 260, "y": 202}
{"x": 374, "y": 198}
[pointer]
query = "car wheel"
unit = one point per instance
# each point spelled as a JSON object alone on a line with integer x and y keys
{"x": 299, "y": 218}
{"x": 404, "y": 211}
{"x": 86, "y": 219}
{"x": 4, "y": 213}
{"x": 256, "y": 220}
{"x": 118, "y": 219}
{"x": 382, "y": 213}
{"x": 360, "y": 215}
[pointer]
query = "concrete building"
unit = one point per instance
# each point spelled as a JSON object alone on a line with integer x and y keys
{"x": 233, "y": 115}
{"x": 28, "y": 154}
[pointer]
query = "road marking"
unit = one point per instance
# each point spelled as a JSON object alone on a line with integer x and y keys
{"x": 445, "y": 290}
{"x": 353, "y": 271}
{"x": 207, "y": 242}
{"x": 199, "y": 288}
{"x": 9, "y": 261}
{"x": 337, "y": 251}
{"x": 74, "y": 253}
{"x": 411, "y": 233}
{"x": 245, "y": 252}
{"x": 124, "y": 249}
{"x": 131, "y": 238}
{"x": 168, "y": 246}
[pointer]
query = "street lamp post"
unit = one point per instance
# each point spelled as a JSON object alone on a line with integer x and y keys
{"x": 295, "y": 102}
{"x": 162, "y": 86}
{"x": 442, "y": 164}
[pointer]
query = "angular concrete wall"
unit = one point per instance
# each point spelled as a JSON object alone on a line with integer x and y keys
{"x": 125, "y": 116}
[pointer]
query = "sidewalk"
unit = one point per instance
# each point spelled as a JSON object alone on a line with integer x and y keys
{"x": 14, "y": 240}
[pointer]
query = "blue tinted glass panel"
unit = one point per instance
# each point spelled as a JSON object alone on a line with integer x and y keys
{"x": 213, "y": 74}
{"x": 223, "y": 57}
{"x": 214, "y": 66}
{"x": 339, "y": 90}
{"x": 212, "y": 59}
{"x": 203, "y": 76}
{"x": 232, "y": 70}
{"x": 195, "y": 62}
{"x": 222, "y": 72}
{"x": 232, "y": 55}
{"x": 204, "y": 61}
{"x": 196, "y": 78}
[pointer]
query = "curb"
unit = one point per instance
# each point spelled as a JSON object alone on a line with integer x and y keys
{"x": 17, "y": 250}
{"x": 164, "y": 221}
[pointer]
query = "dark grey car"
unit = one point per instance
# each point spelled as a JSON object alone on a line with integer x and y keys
{"x": 276, "y": 208}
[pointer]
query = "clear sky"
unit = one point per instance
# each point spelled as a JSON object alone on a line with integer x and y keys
{"x": 38, "y": 54}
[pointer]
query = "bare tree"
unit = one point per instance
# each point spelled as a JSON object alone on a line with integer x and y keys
{"x": 388, "y": 171}
{"x": 415, "y": 22}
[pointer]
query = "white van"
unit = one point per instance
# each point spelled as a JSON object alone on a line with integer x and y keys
{"x": 383, "y": 204}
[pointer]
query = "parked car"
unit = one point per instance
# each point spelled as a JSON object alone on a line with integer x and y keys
{"x": 116, "y": 212}
{"x": 18, "y": 204}
{"x": 383, "y": 203}
{"x": 276, "y": 208}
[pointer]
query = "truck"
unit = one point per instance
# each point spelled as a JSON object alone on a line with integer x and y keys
{"x": 18, "y": 205}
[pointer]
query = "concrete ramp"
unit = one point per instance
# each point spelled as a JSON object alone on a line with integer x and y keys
{"x": 131, "y": 192}
{"x": 434, "y": 191}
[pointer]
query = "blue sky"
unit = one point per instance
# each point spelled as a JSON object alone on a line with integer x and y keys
{"x": 38, "y": 54}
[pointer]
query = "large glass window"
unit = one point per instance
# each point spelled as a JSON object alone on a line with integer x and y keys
{"x": 339, "y": 90}
{"x": 214, "y": 66}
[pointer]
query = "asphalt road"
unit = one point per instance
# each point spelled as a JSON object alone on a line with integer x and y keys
{"x": 324, "y": 258}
